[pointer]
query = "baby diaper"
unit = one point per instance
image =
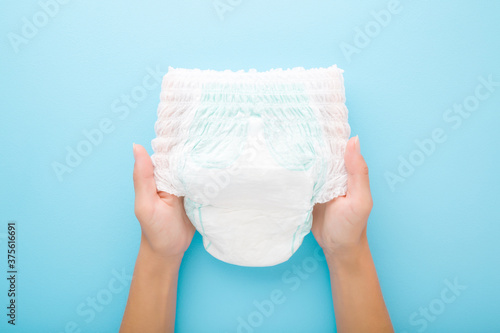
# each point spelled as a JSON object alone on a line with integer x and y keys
{"x": 251, "y": 153}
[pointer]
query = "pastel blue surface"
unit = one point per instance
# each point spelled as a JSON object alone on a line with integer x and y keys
{"x": 435, "y": 223}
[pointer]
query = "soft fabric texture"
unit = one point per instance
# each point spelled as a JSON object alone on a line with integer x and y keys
{"x": 251, "y": 153}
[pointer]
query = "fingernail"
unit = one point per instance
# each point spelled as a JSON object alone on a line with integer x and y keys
{"x": 356, "y": 144}
{"x": 133, "y": 149}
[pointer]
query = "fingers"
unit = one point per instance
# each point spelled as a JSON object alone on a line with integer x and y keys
{"x": 358, "y": 183}
{"x": 144, "y": 183}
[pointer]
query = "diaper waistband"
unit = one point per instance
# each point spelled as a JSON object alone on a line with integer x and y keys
{"x": 275, "y": 86}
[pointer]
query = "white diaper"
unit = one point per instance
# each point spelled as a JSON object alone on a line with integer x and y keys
{"x": 251, "y": 152}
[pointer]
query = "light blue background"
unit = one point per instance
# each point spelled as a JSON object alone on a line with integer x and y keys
{"x": 441, "y": 223}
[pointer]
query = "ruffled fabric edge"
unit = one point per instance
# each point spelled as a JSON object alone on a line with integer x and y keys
{"x": 252, "y": 71}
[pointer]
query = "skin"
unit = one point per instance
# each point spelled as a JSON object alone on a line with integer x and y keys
{"x": 339, "y": 227}
{"x": 166, "y": 235}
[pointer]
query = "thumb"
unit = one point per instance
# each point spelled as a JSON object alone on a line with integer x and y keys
{"x": 358, "y": 183}
{"x": 144, "y": 183}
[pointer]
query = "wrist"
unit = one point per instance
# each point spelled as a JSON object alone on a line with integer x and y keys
{"x": 157, "y": 259}
{"x": 349, "y": 256}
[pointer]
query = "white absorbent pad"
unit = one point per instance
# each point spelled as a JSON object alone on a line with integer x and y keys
{"x": 251, "y": 153}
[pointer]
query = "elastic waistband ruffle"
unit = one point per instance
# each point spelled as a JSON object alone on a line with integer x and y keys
{"x": 272, "y": 86}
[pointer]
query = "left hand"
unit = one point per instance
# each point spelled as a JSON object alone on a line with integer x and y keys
{"x": 166, "y": 229}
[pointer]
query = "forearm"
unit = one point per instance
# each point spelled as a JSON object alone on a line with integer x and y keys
{"x": 153, "y": 293}
{"x": 357, "y": 297}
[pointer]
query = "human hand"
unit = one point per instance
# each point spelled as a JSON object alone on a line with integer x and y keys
{"x": 166, "y": 229}
{"x": 339, "y": 225}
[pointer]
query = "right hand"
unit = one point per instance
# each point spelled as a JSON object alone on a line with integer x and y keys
{"x": 339, "y": 225}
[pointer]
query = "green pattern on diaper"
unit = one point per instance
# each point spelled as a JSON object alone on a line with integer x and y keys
{"x": 220, "y": 125}
{"x": 192, "y": 209}
{"x": 302, "y": 229}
